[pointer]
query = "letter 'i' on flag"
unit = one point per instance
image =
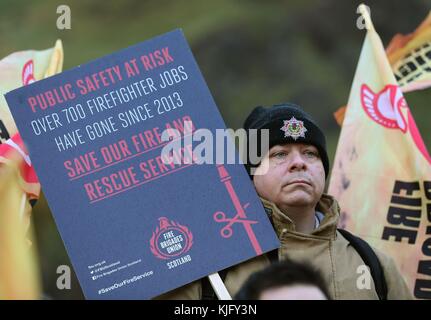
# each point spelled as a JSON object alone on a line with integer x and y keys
{"x": 22, "y": 68}
{"x": 382, "y": 169}
{"x": 19, "y": 274}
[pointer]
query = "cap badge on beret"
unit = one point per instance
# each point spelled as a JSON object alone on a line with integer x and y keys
{"x": 293, "y": 128}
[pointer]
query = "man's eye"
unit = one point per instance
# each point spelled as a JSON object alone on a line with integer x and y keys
{"x": 311, "y": 154}
{"x": 279, "y": 155}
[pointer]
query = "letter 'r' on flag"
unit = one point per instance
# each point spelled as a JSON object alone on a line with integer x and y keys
{"x": 382, "y": 169}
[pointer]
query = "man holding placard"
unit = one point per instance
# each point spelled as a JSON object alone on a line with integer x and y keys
{"x": 290, "y": 181}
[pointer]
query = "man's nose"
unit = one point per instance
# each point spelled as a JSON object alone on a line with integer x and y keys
{"x": 296, "y": 162}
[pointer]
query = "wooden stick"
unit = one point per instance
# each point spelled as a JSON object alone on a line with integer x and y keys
{"x": 219, "y": 287}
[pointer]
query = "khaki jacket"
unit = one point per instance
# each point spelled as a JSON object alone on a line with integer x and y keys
{"x": 325, "y": 249}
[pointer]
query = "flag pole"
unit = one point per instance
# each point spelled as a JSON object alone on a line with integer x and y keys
{"x": 219, "y": 287}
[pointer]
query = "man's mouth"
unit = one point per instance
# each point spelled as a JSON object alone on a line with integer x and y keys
{"x": 298, "y": 181}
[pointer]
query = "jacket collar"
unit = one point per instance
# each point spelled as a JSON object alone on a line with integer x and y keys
{"x": 328, "y": 226}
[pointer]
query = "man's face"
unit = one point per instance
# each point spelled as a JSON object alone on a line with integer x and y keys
{"x": 291, "y": 175}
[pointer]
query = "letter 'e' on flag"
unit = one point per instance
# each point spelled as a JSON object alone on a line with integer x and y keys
{"x": 382, "y": 169}
{"x": 22, "y": 68}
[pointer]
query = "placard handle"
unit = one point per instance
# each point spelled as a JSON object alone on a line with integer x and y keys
{"x": 219, "y": 287}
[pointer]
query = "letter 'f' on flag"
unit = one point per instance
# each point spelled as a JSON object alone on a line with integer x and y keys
{"x": 382, "y": 169}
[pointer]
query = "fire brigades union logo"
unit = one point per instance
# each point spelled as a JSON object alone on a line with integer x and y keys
{"x": 170, "y": 239}
{"x": 293, "y": 128}
{"x": 385, "y": 107}
{"x": 389, "y": 109}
